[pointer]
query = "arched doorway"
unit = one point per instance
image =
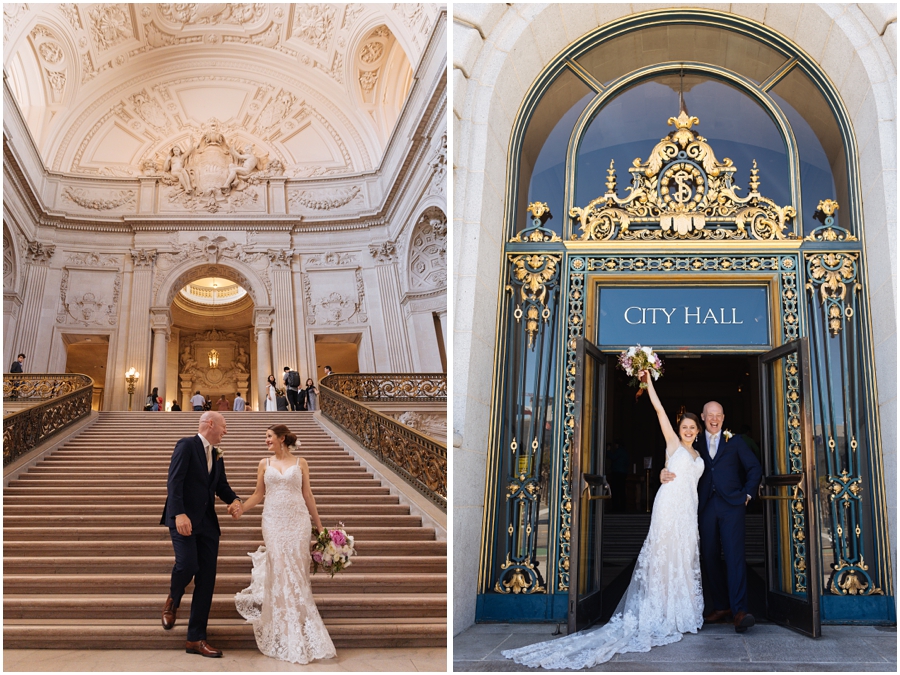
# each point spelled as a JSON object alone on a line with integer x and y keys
{"x": 211, "y": 332}
{"x": 553, "y": 273}
{"x": 212, "y": 326}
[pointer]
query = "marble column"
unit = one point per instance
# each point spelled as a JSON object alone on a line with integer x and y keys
{"x": 397, "y": 338}
{"x": 284, "y": 344}
{"x": 262, "y": 332}
{"x": 138, "y": 348}
{"x": 38, "y": 256}
{"x": 161, "y": 324}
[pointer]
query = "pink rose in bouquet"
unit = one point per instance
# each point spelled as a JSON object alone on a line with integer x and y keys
{"x": 332, "y": 550}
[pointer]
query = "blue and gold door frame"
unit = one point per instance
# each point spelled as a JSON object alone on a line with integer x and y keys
{"x": 751, "y": 272}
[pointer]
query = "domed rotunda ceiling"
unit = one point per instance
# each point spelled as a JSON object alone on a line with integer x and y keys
{"x": 122, "y": 90}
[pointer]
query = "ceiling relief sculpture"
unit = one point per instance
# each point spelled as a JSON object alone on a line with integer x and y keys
{"x": 125, "y": 83}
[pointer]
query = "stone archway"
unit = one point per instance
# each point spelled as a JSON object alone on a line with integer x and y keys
{"x": 498, "y": 54}
{"x": 186, "y": 363}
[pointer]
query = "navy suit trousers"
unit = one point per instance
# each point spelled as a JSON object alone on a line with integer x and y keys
{"x": 195, "y": 558}
{"x": 722, "y": 528}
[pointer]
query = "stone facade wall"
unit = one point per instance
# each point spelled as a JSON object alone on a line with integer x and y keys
{"x": 498, "y": 50}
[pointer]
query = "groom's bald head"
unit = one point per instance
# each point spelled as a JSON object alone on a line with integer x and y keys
{"x": 212, "y": 426}
{"x": 713, "y": 416}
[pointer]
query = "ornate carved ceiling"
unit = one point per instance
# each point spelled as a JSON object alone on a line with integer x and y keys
{"x": 112, "y": 89}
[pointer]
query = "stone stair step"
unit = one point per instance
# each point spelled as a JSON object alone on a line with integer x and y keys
{"x": 251, "y": 519}
{"x": 104, "y": 500}
{"x": 227, "y": 564}
{"x": 227, "y": 546}
{"x": 330, "y": 605}
{"x": 222, "y": 633}
{"x": 366, "y": 582}
{"x": 161, "y": 533}
{"x": 326, "y": 510}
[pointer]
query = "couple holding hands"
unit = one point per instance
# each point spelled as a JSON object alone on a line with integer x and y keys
{"x": 279, "y": 601}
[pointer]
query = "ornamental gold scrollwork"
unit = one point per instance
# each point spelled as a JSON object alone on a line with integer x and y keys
{"x": 683, "y": 192}
{"x": 832, "y": 273}
{"x": 829, "y": 232}
{"x": 535, "y": 273}
{"x": 523, "y": 577}
{"x": 540, "y": 212}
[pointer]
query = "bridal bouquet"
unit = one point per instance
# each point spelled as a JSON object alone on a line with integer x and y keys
{"x": 332, "y": 550}
{"x": 635, "y": 359}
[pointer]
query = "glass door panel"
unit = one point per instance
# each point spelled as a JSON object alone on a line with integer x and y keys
{"x": 589, "y": 485}
{"x": 788, "y": 489}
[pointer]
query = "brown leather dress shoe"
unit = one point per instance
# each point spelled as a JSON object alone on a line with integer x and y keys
{"x": 743, "y": 621}
{"x": 169, "y": 612}
{"x": 717, "y": 616}
{"x": 202, "y": 648}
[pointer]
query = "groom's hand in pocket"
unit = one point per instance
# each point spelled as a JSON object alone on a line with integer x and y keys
{"x": 183, "y": 525}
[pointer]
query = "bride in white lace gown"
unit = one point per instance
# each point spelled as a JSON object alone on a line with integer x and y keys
{"x": 664, "y": 599}
{"x": 279, "y": 601}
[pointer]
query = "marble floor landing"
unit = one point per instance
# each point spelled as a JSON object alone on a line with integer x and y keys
{"x": 414, "y": 659}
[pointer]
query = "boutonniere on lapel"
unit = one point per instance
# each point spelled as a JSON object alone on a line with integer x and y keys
{"x": 220, "y": 453}
{"x": 727, "y": 434}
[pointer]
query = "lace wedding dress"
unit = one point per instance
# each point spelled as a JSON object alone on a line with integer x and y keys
{"x": 663, "y": 600}
{"x": 270, "y": 400}
{"x": 279, "y": 601}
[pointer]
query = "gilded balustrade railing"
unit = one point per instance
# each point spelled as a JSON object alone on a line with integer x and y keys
{"x": 60, "y": 400}
{"x": 391, "y": 386}
{"x": 417, "y": 458}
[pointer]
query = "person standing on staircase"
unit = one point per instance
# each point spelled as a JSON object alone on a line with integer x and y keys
{"x": 196, "y": 476}
{"x": 240, "y": 405}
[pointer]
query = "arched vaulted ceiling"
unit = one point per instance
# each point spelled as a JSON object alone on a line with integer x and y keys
{"x": 110, "y": 89}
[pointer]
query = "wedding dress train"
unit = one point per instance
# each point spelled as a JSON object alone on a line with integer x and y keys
{"x": 279, "y": 601}
{"x": 664, "y": 599}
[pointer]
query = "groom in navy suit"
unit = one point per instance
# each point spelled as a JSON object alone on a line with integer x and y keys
{"x": 196, "y": 476}
{"x": 730, "y": 479}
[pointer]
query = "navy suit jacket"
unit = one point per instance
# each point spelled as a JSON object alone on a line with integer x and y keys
{"x": 725, "y": 471}
{"x": 191, "y": 488}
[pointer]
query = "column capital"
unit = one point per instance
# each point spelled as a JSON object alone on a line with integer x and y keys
{"x": 144, "y": 257}
{"x": 263, "y": 318}
{"x": 385, "y": 252}
{"x": 161, "y": 320}
{"x": 38, "y": 252}
{"x": 280, "y": 258}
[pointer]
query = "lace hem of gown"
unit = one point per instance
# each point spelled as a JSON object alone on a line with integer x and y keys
{"x": 283, "y": 635}
{"x": 664, "y": 599}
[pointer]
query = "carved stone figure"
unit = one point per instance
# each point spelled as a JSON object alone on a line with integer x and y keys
{"x": 242, "y": 361}
{"x": 188, "y": 364}
{"x": 248, "y": 162}
{"x": 176, "y": 165}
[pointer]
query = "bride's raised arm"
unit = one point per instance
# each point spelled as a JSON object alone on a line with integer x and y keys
{"x": 671, "y": 437}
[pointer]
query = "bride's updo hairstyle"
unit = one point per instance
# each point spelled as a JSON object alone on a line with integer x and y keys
{"x": 281, "y": 430}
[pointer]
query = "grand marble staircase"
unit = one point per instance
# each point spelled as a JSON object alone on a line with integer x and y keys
{"x": 86, "y": 564}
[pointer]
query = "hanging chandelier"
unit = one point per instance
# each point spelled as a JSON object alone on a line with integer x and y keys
{"x": 213, "y": 358}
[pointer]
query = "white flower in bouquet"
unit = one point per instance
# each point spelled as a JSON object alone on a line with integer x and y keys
{"x": 635, "y": 359}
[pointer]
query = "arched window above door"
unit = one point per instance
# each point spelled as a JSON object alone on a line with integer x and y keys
{"x": 743, "y": 82}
